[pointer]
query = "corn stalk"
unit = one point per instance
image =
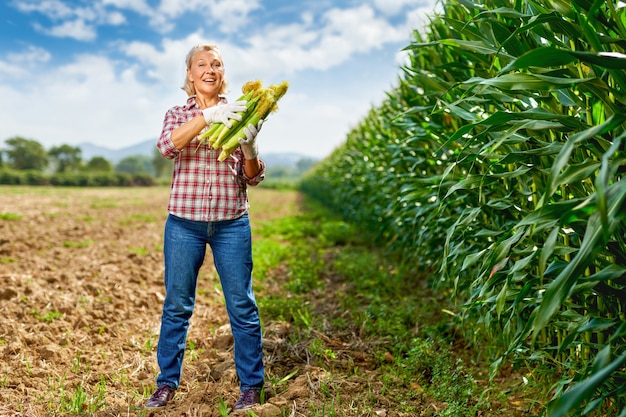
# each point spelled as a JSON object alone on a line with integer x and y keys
{"x": 504, "y": 140}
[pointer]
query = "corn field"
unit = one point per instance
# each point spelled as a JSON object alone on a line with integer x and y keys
{"x": 497, "y": 164}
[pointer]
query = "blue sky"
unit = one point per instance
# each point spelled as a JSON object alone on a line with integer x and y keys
{"x": 105, "y": 71}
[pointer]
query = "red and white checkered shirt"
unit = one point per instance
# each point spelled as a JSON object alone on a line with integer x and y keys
{"x": 204, "y": 189}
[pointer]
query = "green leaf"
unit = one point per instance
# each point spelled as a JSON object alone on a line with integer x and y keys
{"x": 554, "y": 57}
{"x": 595, "y": 237}
{"x": 583, "y": 390}
{"x": 474, "y": 46}
{"x": 564, "y": 155}
{"x": 533, "y": 82}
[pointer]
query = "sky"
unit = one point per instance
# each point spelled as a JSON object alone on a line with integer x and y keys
{"x": 106, "y": 71}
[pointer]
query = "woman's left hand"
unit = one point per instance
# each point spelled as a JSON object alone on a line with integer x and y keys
{"x": 248, "y": 145}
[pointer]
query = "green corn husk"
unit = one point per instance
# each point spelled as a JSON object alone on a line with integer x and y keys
{"x": 216, "y": 129}
{"x": 260, "y": 102}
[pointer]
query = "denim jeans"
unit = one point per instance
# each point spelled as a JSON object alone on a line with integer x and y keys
{"x": 184, "y": 249}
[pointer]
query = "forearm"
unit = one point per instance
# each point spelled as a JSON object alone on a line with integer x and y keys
{"x": 252, "y": 167}
{"x": 183, "y": 134}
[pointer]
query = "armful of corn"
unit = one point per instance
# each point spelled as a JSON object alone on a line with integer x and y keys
{"x": 260, "y": 102}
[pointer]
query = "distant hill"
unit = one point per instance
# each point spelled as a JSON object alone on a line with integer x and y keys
{"x": 147, "y": 148}
{"x": 89, "y": 150}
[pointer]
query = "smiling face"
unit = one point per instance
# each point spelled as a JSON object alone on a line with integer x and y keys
{"x": 206, "y": 73}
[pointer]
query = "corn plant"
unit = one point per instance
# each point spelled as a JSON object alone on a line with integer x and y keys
{"x": 497, "y": 165}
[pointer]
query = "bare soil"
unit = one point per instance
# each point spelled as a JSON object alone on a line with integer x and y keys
{"x": 80, "y": 302}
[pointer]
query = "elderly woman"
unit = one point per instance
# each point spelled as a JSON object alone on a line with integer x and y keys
{"x": 208, "y": 205}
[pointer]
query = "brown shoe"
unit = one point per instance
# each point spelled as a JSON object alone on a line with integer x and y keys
{"x": 161, "y": 397}
{"x": 248, "y": 399}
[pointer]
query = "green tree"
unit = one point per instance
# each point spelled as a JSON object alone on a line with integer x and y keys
{"x": 280, "y": 172}
{"x": 24, "y": 154}
{"x": 99, "y": 164}
{"x": 304, "y": 164}
{"x": 65, "y": 158}
{"x": 161, "y": 165}
{"x": 135, "y": 164}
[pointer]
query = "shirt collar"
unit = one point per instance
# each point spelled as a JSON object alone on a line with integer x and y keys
{"x": 191, "y": 101}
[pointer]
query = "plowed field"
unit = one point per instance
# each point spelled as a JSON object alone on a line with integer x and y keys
{"x": 80, "y": 301}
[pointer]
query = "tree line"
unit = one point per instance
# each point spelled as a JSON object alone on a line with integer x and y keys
{"x": 26, "y": 161}
{"x": 29, "y": 154}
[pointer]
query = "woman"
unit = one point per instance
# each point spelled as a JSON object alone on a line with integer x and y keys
{"x": 208, "y": 204}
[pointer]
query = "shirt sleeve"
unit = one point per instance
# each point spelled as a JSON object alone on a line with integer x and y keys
{"x": 257, "y": 178}
{"x": 164, "y": 144}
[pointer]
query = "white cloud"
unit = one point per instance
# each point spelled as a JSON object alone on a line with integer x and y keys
{"x": 231, "y": 15}
{"x": 307, "y": 45}
{"x": 32, "y": 55}
{"x": 54, "y": 9}
{"x": 85, "y": 100}
{"x": 78, "y": 23}
{"x": 394, "y": 7}
{"x": 19, "y": 66}
{"x": 360, "y": 28}
{"x": 114, "y": 19}
{"x": 76, "y": 29}
{"x": 227, "y": 15}
{"x": 419, "y": 18}
{"x": 135, "y": 5}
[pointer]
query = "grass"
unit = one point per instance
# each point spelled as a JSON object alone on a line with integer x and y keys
{"x": 341, "y": 294}
{"x": 82, "y": 244}
{"x": 10, "y": 216}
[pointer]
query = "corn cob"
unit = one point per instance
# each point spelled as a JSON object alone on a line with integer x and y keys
{"x": 266, "y": 102}
{"x": 249, "y": 90}
{"x": 260, "y": 103}
{"x": 216, "y": 129}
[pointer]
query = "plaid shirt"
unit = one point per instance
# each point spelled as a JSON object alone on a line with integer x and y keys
{"x": 204, "y": 189}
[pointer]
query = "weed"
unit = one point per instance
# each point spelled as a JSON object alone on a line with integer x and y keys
{"x": 223, "y": 408}
{"x": 47, "y": 317}
{"x": 148, "y": 345}
{"x": 104, "y": 204}
{"x": 82, "y": 244}
{"x": 10, "y": 216}
{"x": 319, "y": 349}
{"x": 79, "y": 402}
{"x": 280, "y": 308}
{"x": 139, "y": 218}
{"x": 139, "y": 251}
{"x": 192, "y": 353}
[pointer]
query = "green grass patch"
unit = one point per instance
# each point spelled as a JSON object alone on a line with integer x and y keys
{"x": 334, "y": 282}
{"x": 10, "y": 216}
{"x": 104, "y": 204}
{"x": 138, "y": 218}
{"x": 74, "y": 245}
{"x": 48, "y": 316}
{"x": 139, "y": 251}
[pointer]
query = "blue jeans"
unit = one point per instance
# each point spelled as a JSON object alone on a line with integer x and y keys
{"x": 184, "y": 249}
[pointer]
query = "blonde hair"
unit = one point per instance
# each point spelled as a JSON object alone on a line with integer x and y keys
{"x": 188, "y": 86}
